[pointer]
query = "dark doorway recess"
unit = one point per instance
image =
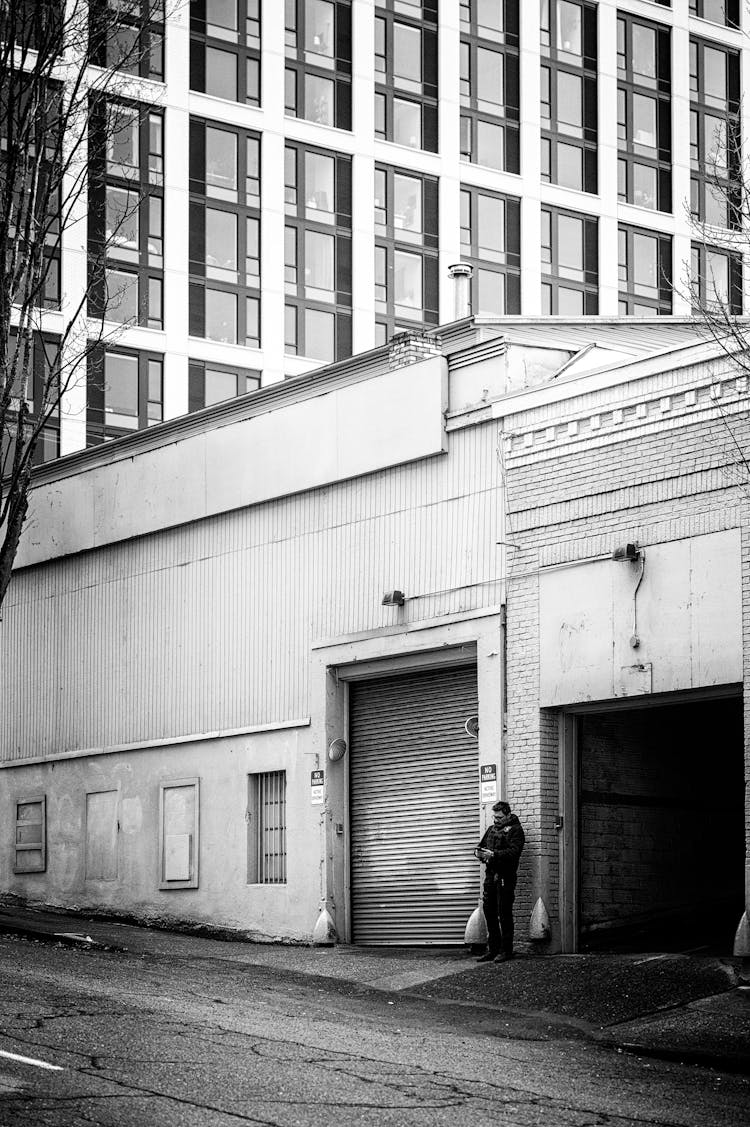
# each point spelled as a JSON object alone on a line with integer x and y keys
{"x": 661, "y": 827}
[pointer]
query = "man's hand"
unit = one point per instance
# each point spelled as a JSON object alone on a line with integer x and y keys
{"x": 485, "y": 854}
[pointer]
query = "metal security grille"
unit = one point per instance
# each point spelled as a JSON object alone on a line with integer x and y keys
{"x": 267, "y": 828}
{"x": 414, "y": 807}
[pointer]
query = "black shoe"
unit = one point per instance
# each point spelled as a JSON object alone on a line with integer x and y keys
{"x": 503, "y": 957}
{"x": 486, "y": 958}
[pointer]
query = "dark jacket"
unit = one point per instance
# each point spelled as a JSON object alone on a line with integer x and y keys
{"x": 506, "y": 841}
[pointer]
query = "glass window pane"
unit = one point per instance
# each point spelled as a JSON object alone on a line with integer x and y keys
{"x": 717, "y": 277}
{"x": 221, "y": 244}
{"x": 714, "y": 74}
{"x": 644, "y": 51}
{"x": 154, "y": 303}
{"x": 221, "y": 316}
{"x": 489, "y": 18}
{"x": 489, "y": 77}
{"x": 569, "y": 302}
{"x": 122, "y": 296}
{"x": 490, "y": 145}
{"x": 319, "y": 184}
{"x": 219, "y": 386}
{"x": 252, "y": 322}
{"x": 407, "y": 52}
{"x": 122, "y": 140}
{"x": 407, "y": 203}
{"x": 715, "y": 142}
{"x": 320, "y": 335}
{"x": 569, "y": 28}
{"x": 407, "y": 123}
{"x": 490, "y": 233}
{"x": 569, "y": 166}
{"x": 221, "y": 18}
{"x": 221, "y": 74}
{"x": 644, "y": 121}
{"x": 221, "y": 163}
{"x": 490, "y": 293}
{"x": 644, "y": 186}
{"x": 290, "y": 329}
{"x": 319, "y": 265}
{"x": 569, "y": 101}
{"x": 570, "y": 245}
{"x": 319, "y": 95}
{"x": 121, "y": 227}
{"x": 319, "y": 37}
{"x": 121, "y": 390}
{"x": 645, "y": 264}
{"x": 407, "y": 284}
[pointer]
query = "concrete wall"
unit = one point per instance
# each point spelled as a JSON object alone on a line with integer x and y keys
{"x": 222, "y": 896}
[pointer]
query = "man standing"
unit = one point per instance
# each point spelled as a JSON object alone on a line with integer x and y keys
{"x": 500, "y": 850}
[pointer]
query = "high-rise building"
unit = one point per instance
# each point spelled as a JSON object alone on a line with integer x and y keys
{"x": 578, "y": 155}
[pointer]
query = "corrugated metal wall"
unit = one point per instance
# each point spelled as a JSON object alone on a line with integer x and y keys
{"x": 209, "y": 626}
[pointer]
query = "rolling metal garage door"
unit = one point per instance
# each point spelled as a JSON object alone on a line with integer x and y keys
{"x": 414, "y": 807}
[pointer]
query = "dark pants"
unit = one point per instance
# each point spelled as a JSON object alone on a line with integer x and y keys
{"x": 497, "y": 902}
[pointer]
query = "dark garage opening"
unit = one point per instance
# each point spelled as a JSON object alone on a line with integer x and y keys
{"x": 661, "y": 827}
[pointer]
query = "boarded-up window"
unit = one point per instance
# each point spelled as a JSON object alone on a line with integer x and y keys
{"x": 178, "y": 834}
{"x": 266, "y": 852}
{"x": 101, "y": 835}
{"x": 31, "y": 835}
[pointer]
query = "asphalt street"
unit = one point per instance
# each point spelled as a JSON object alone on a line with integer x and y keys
{"x": 135, "y": 1040}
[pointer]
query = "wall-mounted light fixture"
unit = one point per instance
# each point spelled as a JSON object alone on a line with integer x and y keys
{"x": 393, "y": 599}
{"x": 632, "y": 553}
{"x": 626, "y": 553}
{"x": 336, "y": 750}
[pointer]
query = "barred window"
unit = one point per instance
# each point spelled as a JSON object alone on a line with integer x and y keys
{"x": 266, "y": 828}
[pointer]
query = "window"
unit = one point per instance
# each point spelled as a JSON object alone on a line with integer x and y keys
{"x": 128, "y": 36}
{"x": 644, "y": 126}
{"x": 266, "y": 828}
{"x": 570, "y": 263}
{"x": 224, "y": 239}
{"x": 32, "y": 214}
{"x": 126, "y": 214}
{"x": 406, "y": 83}
{"x": 41, "y": 393}
{"x": 725, "y": 12}
{"x": 31, "y": 835}
{"x": 225, "y": 49}
{"x": 491, "y": 242}
{"x": 569, "y": 96}
{"x": 645, "y": 272}
{"x": 715, "y": 135}
{"x": 319, "y": 61}
{"x": 178, "y": 833}
{"x": 210, "y": 383}
{"x": 124, "y": 393}
{"x": 406, "y": 264}
{"x": 489, "y": 84}
{"x": 318, "y": 253}
{"x": 716, "y": 279}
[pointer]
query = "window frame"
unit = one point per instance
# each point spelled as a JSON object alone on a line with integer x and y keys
{"x": 588, "y": 284}
{"x": 661, "y": 302}
{"x": 246, "y": 49}
{"x": 632, "y": 155}
{"x": 27, "y": 847}
{"x": 471, "y": 249}
{"x": 256, "y": 874}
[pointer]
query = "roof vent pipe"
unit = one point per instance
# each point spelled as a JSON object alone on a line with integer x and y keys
{"x": 461, "y": 273}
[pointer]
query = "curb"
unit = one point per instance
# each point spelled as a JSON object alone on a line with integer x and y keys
{"x": 66, "y": 938}
{"x": 701, "y": 1058}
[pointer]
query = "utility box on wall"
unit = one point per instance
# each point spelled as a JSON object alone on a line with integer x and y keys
{"x": 681, "y": 602}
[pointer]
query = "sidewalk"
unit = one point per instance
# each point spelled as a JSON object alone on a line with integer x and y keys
{"x": 687, "y": 1008}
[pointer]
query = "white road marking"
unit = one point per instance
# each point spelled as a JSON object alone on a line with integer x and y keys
{"x": 30, "y": 1060}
